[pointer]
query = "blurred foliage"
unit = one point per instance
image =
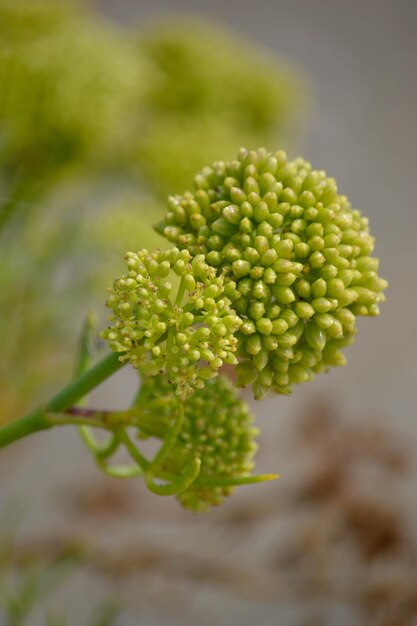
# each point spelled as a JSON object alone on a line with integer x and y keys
{"x": 97, "y": 124}
{"x": 211, "y": 92}
{"x": 23, "y": 587}
{"x": 29, "y": 577}
{"x": 72, "y": 82}
{"x": 65, "y": 260}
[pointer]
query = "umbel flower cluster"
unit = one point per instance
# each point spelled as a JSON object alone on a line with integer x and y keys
{"x": 160, "y": 334}
{"x": 296, "y": 259}
{"x": 217, "y": 429}
{"x": 269, "y": 270}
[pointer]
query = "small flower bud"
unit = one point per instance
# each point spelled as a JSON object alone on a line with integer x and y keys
{"x": 279, "y": 326}
{"x": 304, "y": 310}
{"x": 283, "y": 295}
{"x": 253, "y": 344}
{"x": 241, "y": 268}
{"x": 264, "y": 326}
{"x": 315, "y": 336}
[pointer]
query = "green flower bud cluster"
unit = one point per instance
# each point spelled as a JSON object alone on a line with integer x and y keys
{"x": 217, "y": 428}
{"x": 297, "y": 260}
{"x": 188, "y": 337}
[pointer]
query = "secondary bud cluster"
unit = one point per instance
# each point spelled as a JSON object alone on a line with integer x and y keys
{"x": 217, "y": 429}
{"x": 188, "y": 336}
{"x": 296, "y": 256}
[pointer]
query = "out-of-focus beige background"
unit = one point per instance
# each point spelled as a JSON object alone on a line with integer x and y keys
{"x": 234, "y": 565}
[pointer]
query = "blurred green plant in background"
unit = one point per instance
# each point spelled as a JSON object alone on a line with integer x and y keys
{"x": 69, "y": 83}
{"x": 97, "y": 124}
{"x": 31, "y": 575}
{"x": 211, "y": 92}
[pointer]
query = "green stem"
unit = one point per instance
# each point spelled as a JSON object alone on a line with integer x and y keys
{"x": 133, "y": 451}
{"x": 230, "y": 481}
{"x": 86, "y": 382}
{"x": 64, "y": 399}
{"x": 181, "y": 291}
{"x": 19, "y": 428}
{"x": 66, "y": 419}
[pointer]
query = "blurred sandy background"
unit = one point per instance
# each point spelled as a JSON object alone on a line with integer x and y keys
{"x": 302, "y": 551}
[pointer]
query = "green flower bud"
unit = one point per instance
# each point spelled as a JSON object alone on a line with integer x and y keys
{"x": 232, "y": 214}
{"x": 256, "y": 310}
{"x": 253, "y": 345}
{"x": 261, "y": 212}
{"x": 260, "y": 290}
{"x": 302, "y": 250}
{"x": 264, "y": 326}
{"x": 283, "y": 295}
{"x": 279, "y": 326}
{"x": 241, "y": 268}
{"x": 321, "y": 305}
{"x": 298, "y": 374}
{"x": 269, "y": 257}
{"x": 261, "y": 244}
{"x": 316, "y": 338}
{"x": 248, "y": 327}
{"x": 323, "y": 320}
{"x": 246, "y": 226}
{"x": 270, "y": 342}
{"x": 261, "y": 360}
{"x": 318, "y": 288}
{"x": 290, "y": 317}
{"x": 269, "y": 276}
{"x": 285, "y": 280}
{"x": 317, "y": 259}
{"x": 304, "y": 310}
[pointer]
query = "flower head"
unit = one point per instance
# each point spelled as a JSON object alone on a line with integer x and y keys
{"x": 296, "y": 257}
{"x": 217, "y": 428}
{"x": 188, "y": 336}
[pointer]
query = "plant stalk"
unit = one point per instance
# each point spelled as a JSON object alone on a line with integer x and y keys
{"x": 79, "y": 387}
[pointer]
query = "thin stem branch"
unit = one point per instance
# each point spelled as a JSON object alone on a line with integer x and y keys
{"x": 230, "y": 481}
{"x": 181, "y": 291}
